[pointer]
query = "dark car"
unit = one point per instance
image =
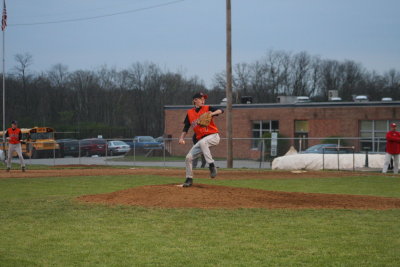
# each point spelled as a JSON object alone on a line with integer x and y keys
{"x": 327, "y": 149}
{"x": 68, "y": 147}
{"x": 146, "y": 142}
{"x": 93, "y": 146}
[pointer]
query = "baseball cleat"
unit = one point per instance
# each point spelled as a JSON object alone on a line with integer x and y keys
{"x": 188, "y": 182}
{"x": 23, "y": 169}
{"x": 8, "y": 169}
{"x": 213, "y": 171}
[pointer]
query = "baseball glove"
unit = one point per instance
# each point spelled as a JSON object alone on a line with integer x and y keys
{"x": 204, "y": 119}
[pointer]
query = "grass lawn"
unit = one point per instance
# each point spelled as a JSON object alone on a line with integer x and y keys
{"x": 42, "y": 225}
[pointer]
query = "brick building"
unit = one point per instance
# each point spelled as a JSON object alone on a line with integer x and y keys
{"x": 366, "y": 120}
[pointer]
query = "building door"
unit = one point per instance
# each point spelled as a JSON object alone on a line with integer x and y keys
{"x": 301, "y": 135}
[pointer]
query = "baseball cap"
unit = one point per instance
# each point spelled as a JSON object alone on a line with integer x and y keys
{"x": 393, "y": 124}
{"x": 200, "y": 95}
{"x": 14, "y": 122}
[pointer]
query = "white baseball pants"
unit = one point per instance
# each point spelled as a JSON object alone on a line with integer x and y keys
{"x": 202, "y": 146}
{"x": 17, "y": 148}
{"x": 395, "y": 163}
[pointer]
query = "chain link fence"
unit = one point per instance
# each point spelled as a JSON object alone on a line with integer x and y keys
{"x": 167, "y": 152}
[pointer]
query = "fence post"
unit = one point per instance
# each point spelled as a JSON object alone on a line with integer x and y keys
{"x": 261, "y": 152}
{"x": 338, "y": 168}
{"x": 30, "y": 153}
{"x": 79, "y": 147}
{"x": 54, "y": 155}
{"x": 134, "y": 154}
{"x": 106, "y": 147}
{"x": 164, "y": 151}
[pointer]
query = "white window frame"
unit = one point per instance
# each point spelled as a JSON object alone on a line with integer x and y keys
{"x": 261, "y": 131}
{"x": 377, "y": 143}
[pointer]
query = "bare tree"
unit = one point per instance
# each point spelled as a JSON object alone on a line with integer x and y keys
{"x": 300, "y": 74}
{"x": 58, "y": 75}
{"x": 23, "y": 62}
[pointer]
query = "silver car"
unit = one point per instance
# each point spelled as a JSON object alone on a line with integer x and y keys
{"x": 117, "y": 147}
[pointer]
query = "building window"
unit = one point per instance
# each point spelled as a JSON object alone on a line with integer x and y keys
{"x": 301, "y": 129}
{"x": 262, "y": 127}
{"x": 373, "y": 134}
{"x": 301, "y": 126}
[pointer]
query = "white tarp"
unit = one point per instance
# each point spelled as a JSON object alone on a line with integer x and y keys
{"x": 314, "y": 161}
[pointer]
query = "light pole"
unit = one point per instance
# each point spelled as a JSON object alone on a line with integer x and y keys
{"x": 229, "y": 158}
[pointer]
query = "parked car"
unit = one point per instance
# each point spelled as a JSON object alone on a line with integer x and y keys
{"x": 117, "y": 148}
{"x": 146, "y": 142}
{"x": 129, "y": 142}
{"x": 327, "y": 149}
{"x": 93, "y": 146}
{"x": 68, "y": 147}
{"x": 160, "y": 140}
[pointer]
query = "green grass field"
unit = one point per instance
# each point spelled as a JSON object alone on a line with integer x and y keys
{"x": 41, "y": 224}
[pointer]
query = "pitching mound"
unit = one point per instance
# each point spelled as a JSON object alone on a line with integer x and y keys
{"x": 216, "y": 197}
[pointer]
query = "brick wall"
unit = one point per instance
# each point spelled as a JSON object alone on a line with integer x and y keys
{"x": 324, "y": 120}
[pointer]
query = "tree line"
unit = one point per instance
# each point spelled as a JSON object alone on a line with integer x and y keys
{"x": 301, "y": 74}
{"x": 129, "y": 102}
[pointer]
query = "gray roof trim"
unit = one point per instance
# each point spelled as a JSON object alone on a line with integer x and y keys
{"x": 299, "y": 105}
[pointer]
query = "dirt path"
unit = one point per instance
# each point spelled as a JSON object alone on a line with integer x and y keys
{"x": 223, "y": 174}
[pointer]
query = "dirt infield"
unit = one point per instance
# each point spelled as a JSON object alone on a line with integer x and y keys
{"x": 216, "y": 197}
{"x": 222, "y": 175}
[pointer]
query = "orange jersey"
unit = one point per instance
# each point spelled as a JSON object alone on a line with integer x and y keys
{"x": 200, "y": 131}
{"x": 14, "y": 135}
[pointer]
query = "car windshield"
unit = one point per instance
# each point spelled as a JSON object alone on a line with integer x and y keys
{"x": 99, "y": 142}
{"x": 146, "y": 139}
{"x": 317, "y": 148}
{"x": 36, "y": 136}
{"x": 328, "y": 148}
{"x": 118, "y": 143}
{"x": 313, "y": 148}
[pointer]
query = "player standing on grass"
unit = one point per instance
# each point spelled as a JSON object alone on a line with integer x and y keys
{"x": 392, "y": 149}
{"x": 207, "y": 136}
{"x": 14, "y": 136}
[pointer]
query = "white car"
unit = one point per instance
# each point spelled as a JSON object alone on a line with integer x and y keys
{"x": 117, "y": 148}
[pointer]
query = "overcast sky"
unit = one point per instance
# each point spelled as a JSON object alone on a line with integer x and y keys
{"x": 189, "y": 35}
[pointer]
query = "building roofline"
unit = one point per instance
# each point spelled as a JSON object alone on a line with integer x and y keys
{"x": 298, "y": 105}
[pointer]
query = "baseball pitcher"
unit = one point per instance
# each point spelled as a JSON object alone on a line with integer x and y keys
{"x": 200, "y": 117}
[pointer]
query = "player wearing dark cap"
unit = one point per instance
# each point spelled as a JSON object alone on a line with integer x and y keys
{"x": 206, "y": 136}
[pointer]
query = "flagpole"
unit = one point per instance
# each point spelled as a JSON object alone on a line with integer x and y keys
{"x": 4, "y": 86}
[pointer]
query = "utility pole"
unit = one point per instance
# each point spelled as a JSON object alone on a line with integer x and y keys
{"x": 229, "y": 159}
